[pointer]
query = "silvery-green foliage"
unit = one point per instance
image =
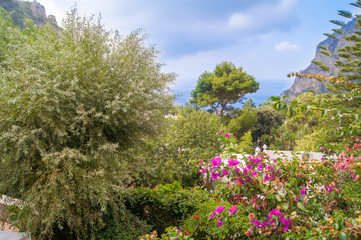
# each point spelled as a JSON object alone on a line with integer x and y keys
{"x": 70, "y": 106}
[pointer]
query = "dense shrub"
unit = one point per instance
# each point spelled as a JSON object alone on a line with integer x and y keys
{"x": 164, "y": 206}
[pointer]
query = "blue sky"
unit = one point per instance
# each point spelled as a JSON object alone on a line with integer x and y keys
{"x": 268, "y": 38}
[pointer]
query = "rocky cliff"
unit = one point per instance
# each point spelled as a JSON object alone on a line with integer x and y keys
{"x": 20, "y": 10}
{"x": 301, "y": 85}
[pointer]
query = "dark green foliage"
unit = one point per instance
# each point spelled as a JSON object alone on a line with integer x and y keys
{"x": 249, "y": 104}
{"x": 267, "y": 120}
{"x": 330, "y": 35}
{"x": 122, "y": 226}
{"x": 320, "y": 64}
{"x": 163, "y": 207}
{"x": 340, "y": 31}
{"x": 338, "y": 22}
{"x": 345, "y": 14}
{"x": 226, "y": 85}
{"x": 202, "y": 228}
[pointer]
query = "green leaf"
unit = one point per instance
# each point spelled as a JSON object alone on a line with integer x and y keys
{"x": 300, "y": 206}
{"x": 330, "y": 35}
{"x": 342, "y": 236}
{"x": 356, "y": 116}
{"x": 338, "y": 22}
{"x": 324, "y": 112}
{"x": 278, "y": 198}
{"x": 285, "y": 206}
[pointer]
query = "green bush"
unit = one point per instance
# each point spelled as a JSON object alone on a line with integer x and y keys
{"x": 163, "y": 207}
{"x": 201, "y": 227}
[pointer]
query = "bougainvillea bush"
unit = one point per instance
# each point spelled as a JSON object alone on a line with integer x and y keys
{"x": 290, "y": 199}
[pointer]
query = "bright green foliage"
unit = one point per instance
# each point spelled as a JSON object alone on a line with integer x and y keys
{"x": 187, "y": 135}
{"x": 247, "y": 121}
{"x": 307, "y": 143}
{"x": 226, "y": 85}
{"x": 70, "y": 107}
{"x": 245, "y": 144}
{"x": 249, "y": 104}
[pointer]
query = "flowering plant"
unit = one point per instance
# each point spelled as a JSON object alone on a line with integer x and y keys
{"x": 290, "y": 198}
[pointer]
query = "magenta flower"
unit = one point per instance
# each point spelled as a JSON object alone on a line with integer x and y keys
{"x": 220, "y": 132}
{"x": 212, "y": 214}
{"x": 225, "y": 172}
{"x": 219, "y": 222}
{"x": 219, "y": 209}
{"x": 216, "y": 161}
{"x": 202, "y": 170}
{"x": 233, "y": 210}
{"x": 303, "y": 191}
{"x": 215, "y": 176}
{"x": 245, "y": 170}
{"x": 249, "y": 166}
{"x": 227, "y": 134}
{"x": 254, "y": 173}
{"x": 237, "y": 170}
{"x": 232, "y": 162}
{"x": 260, "y": 166}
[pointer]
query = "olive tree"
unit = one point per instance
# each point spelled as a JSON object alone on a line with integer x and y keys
{"x": 71, "y": 105}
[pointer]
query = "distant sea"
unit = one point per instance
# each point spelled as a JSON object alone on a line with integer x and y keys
{"x": 268, "y": 88}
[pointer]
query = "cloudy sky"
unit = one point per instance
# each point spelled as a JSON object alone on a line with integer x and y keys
{"x": 268, "y": 38}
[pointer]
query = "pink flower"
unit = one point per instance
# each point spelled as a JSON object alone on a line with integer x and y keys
{"x": 219, "y": 222}
{"x": 254, "y": 173}
{"x": 216, "y": 161}
{"x": 215, "y": 176}
{"x": 260, "y": 166}
{"x": 212, "y": 214}
{"x": 227, "y": 134}
{"x": 220, "y": 132}
{"x": 225, "y": 172}
{"x": 202, "y": 171}
{"x": 303, "y": 191}
{"x": 237, "y": 170}
{"x": 233, "y": 162}
{"x": 245, "y": 170}
{"x": 233, "y": 210}
{"x": 249, "y": 166}
{"x": 219, "y": 209}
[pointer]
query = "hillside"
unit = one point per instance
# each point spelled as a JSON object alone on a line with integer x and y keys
{"x": 20, "y": 10}
{"x": 302, "y": 85}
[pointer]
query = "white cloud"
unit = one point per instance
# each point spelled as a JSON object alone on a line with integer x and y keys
{"x": 287, "y": 46}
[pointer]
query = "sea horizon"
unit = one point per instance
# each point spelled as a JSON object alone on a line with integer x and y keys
{"x": 268, "y": 88}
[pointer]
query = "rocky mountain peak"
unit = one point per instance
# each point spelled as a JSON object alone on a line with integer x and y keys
{"x": 301, "y": 85}
{"x": 37, "y": 9}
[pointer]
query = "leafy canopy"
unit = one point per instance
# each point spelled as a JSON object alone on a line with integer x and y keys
{"x": 226, "y": 85}
{"x": 70, "y": 107}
